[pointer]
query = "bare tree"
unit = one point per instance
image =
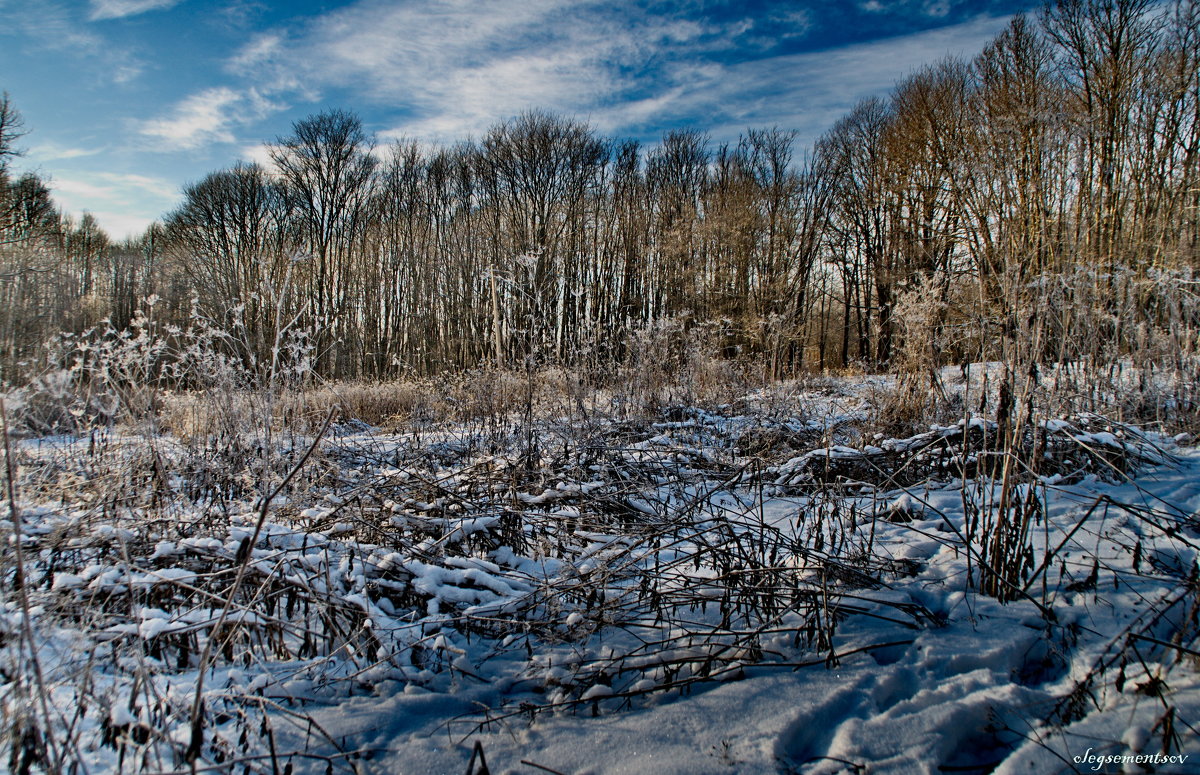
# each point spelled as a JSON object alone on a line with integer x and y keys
{"x": 12, "y": 129}
{"x": 536, "y": 172}
{"x": 327, "y": 169}
{"x": 233, "y": 226}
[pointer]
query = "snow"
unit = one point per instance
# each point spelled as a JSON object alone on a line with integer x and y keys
{"x": 669, "y": 605}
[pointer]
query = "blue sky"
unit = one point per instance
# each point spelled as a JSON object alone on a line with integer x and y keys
{"x": 128, "y": 100}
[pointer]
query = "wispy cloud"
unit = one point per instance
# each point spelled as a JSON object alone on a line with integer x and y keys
{"x": 454, "y": 67}
{"x": 199, "y": 119}
{"x": 123, "y": 204}
{"x": 49, "y": 151}
{"x": 118, "y": 9}
{"x": 49, "y": 26}
{"x": 143, "y": 184}
{"x": 451, "y": 68}
{"x": 807, "y": 92}
{"x": 258, "y": 153}
{"x": 238, "y": 14}
{"x": 69, "y": 190}
{"x": 934, "y": 9}
{"x": 207, "y": 117}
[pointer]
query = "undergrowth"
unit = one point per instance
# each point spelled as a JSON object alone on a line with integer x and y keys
{"x": 200, "y": 547}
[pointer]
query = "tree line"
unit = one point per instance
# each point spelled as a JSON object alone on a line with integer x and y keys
{"x": 1041, "y": 198}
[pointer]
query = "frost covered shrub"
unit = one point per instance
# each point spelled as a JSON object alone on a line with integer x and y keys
{"x": 102, "y": 376}
{"x": 107, "y": 375}
{"x": 94, "y": 379}
{"x": 47, "y": 405}
{"x": 672, "y": 362}
{"x": 234, "y": 421}
{"x": 900, "y": 409}
{"x": 920, "y": 316}
{"x": 1121, "y": 343}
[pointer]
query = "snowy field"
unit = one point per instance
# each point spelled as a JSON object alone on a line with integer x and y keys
{"x": 760, "y": 586}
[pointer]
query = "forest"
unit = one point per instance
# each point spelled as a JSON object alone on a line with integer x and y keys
{"x": 1044, "y": 190}
{"x": 569, "y": 453}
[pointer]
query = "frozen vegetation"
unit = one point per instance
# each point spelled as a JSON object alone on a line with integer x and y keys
{"x": 569, "y": 579}
{"x": 588, "y": 507}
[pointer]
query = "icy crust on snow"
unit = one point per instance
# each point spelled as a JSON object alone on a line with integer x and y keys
{"x": 620, "y": 613}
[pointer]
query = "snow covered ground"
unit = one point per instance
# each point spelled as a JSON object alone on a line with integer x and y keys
{"x": 749, "y": 588}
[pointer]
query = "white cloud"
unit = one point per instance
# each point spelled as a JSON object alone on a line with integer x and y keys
{"x": 795, "y": 23}
{"x": 198, "y": 120}
{"x": 52, "y": 27}
{"x": 125, "y": 72}
{"x": 119, "y": 9}
{"x": 123, "y": 204}
{"x": 257, "y": 53}
{"x": 208, "y": 117}
{"x": 49, "y": 151}
{"x": 936, "y": 8}
{"x": 452, "y": 68}
{"x": 640, "y": 111}
{"x": 159, "y": 187}
{"x": 809, "y": 92}
{"x": 259, "y": 154}
{"x": 455, "y": 67}
{"x": 68, "y": 190}
{"x": 122, "y": 225}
